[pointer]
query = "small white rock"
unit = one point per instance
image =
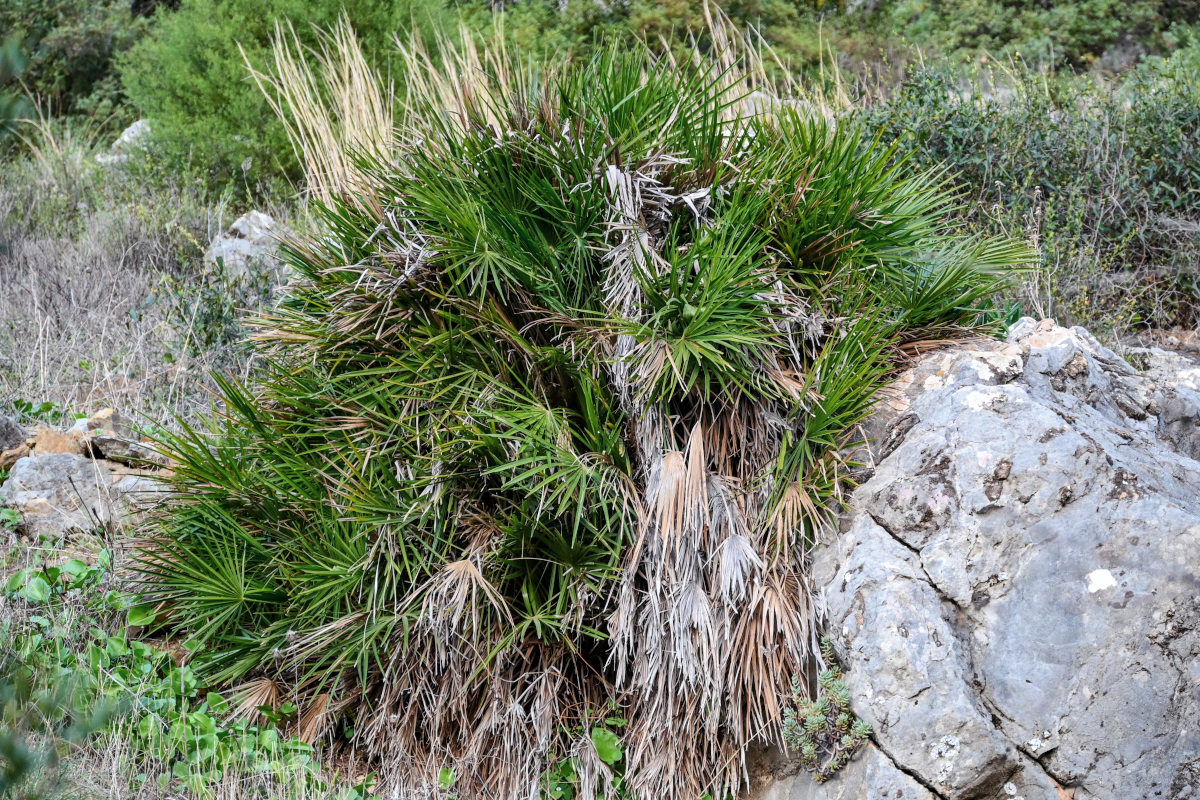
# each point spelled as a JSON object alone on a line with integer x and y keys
{"x": 1100, "y": 579}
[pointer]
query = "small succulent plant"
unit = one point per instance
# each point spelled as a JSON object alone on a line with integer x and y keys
{"x": 823, "y": 730}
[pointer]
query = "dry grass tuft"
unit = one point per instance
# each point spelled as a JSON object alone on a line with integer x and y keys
{"x": 103, "y": 297}
{"x": 337, "y": 114}
{"x": 747, "y": 62}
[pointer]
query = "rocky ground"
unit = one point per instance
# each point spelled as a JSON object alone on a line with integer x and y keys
{"x": 95, "y": 474}
{"x": 1015, "y": 592}
{"x": 99, "y": 471}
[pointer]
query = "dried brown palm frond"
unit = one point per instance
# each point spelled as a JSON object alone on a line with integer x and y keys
{"x": 453, "y": 604}
{"x": 251, "y": 696}
{"x": 498, "y": 729}
{"x": 316, "y": 720}
{"x": 668, "y": 490}
{"x": 738, "y": 566}
{"x": 695, "y": 494}
{"x": 796, "y": 512}
{"x": 773, "y": 638}
{"x": 914, "y": 348}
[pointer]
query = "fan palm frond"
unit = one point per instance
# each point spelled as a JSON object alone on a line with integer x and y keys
{"x": 550, "y": 422}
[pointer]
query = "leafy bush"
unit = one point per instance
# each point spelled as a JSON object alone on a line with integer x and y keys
{"x": 71, "y": 47}
{"x": 13, "y": 106}
{"x": 190, "y": 76}
{"x": 1075, "y": 32}
{"x": 1106, "y": 177}
{"x": 578, "y": 27}
{"x": 555, "y": 431}
{"x": 31, "y": 715}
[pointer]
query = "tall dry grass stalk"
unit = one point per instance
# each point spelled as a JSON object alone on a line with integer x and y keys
{"x": 336, "y": 113}
{"x": 343, "y": 109}
{"x": 748, "y": 64}
{"x": 458, "y": 76}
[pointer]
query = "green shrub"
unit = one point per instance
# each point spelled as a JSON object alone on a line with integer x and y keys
{"x": 1076, "y": 32}
{"x": 577, "y": 27}
{"x": 190, "y": 78}
{"x": 556, "y": 432}
{"x": 71, "y": 47}
{"x": 1162, "y": 133}
{"x": 13, "y": 106}
{"x": 1107, "y": 177}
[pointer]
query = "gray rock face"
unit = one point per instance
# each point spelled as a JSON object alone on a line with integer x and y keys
{"x": 124, "y": 451}
{"x": 59, "y": 493}
{"x": 1016, "y": 590}
{"x": 95, "y": 474}
{"x": 11, "y": 434}
{"x": 1177, "y": 377}
{"x": 870, "y": 775}
{"x": 249, "y": 245}
{"x": 111, "y": 438}
{"x": 131, "y": 141}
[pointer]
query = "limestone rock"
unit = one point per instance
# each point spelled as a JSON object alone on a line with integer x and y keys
{"x": 138, "y": 490}
{"x": 59, "y": 493}
{"x": 255, "y": 227}
{"x": 111, "y": 438}
{"x": 124, "y": 451}
{"x": 11, "y": 434}
{"x": 131, "y": 141}
{"x": 107, "y": 421}
{"x": 1176, "y": 376}
{"x": 48, "y": 441}
{"x": 1014, "y": 588}
{"x": 247, "y": 247}
{"x": 62, "y": 492}
{"x": 13, "y": 455}
{"x": 870, "y": 775}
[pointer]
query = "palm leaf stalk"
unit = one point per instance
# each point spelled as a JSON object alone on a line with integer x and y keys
{"x": 555, "y": 430}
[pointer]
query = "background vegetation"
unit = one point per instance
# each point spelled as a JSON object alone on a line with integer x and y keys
{"x": 1105, "y": 175}
{"x": 189, "y": 74}
{"x": 70, "y": 48}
